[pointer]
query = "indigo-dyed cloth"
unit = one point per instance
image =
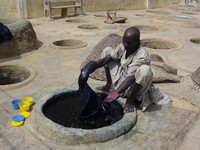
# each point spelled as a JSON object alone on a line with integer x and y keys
{"x": 88, "y": 101}
{"x": 5, "y": 33}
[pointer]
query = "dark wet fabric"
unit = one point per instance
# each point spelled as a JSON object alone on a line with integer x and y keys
{"x": 5, "y": 33}
{"x": 89, "y": 105}
{"x": 88, "y": 98}
{"x": 88, "y": 101}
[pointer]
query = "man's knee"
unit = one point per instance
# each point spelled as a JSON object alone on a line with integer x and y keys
{"x": 144, "y": 75}
{"x": 145, "y": 70}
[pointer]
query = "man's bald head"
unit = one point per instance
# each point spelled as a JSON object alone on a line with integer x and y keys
{"x": 133, "y": 32}
{"x": 131, "y": 39}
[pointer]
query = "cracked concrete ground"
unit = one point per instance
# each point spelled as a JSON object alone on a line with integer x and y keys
{"x": 164, "y": 127}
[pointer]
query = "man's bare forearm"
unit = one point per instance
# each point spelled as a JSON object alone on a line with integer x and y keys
{"x": 125, "y": 84}
{"x": 102, "y": 62}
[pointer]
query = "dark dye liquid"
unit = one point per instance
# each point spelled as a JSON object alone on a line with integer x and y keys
{"x": 64, "y": 109}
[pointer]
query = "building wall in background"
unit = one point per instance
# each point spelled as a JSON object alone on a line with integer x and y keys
{"x": 161, "y": 3}
{"x": 100, "y": 5}
{"x": 34, "y": 8}
{"x": 9, "y": 9}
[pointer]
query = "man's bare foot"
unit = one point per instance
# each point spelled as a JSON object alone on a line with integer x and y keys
{"x": 105, "y": 88}
{"x": 128, "y": 108}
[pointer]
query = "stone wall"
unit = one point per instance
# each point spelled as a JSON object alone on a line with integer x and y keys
{"x": 9, "y": 9}
{"x": 161, "y": 3}
{"x": 99, "y": 5}
{"x": 34, "y": 8}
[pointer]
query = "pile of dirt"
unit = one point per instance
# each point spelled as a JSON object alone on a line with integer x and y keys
{"x": 112, "y": 40}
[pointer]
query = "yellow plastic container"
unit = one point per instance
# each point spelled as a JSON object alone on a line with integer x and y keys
{"x": 24, "y": 106}
{"x": 28, "y": 99}
{"x": 25, "y": 114}
{"x": 16, "y": 124}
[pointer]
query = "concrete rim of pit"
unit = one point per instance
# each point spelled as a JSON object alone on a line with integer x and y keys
{"x": 79, "y": 44}
{"x": 32, "y": 72}
{"x": 61, "y": 135}
{"x": 175, "y": 45}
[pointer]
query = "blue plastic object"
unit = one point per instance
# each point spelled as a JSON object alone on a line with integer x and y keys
{"x": 15, "y": 103}
{"x": 18, "y": 118}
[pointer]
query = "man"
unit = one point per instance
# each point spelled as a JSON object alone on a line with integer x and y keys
{"x": 127, "y": 70}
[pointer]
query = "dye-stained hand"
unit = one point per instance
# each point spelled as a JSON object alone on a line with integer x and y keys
{"x": 113, "y": 95}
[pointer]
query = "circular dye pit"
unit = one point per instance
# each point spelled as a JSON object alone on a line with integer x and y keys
{"x": 100, "y": 15}
{"x": 160, "y": 44}
{"x": 158, "y": 12}
{"x": 89, "y": 27}
{"x": 13, "y": 76}
{"x": 195, "y": 40}
{"x": 181, "y": 17}
{"x": 68, "y": 44}
{"x": 121, "y": 20}
{"x": 146, "y": 28}
{"x": 56, "y": 117}
{"x": 65, "y": 110}
{"x": 177, "y": 22}
{"x": 76, "y": 20}
{"x": 143, "y": 15}
{"x": 189, "y": 13}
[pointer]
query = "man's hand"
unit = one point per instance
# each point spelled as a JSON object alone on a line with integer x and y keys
{"x": 113, "y": 95}
{"x": 90, "y": 67}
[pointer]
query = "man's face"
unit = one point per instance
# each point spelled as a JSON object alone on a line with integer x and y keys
{"x": 130, "y": 43}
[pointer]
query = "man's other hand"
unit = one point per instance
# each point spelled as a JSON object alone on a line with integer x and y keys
{"x": 113, "y": 95}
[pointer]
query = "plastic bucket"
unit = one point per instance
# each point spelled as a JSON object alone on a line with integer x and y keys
{"x": 24, "y": 106}
{"x": 15, "y": 103}
{"x": 28, "y": 99}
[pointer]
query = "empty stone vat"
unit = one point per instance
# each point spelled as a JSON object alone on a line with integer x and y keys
{"x": 13, "y": 76}
{"x": 158, "y": 12}
{"x": 178, "y": 22}
{"x": 56, "y": 117}
{"x": 160, "y": 44}
{"x": 68, "y": 44}
{"x": 100, "y": 15}
{"x": 76, "y": 20}
{"x": 189, "y": 13}
{"x": 195, "y": 40}
{"x": 147, "y": 28}
{"x": 88, "y": 27}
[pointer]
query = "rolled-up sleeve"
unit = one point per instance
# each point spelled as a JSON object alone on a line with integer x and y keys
{"x": 116, "y": 53}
